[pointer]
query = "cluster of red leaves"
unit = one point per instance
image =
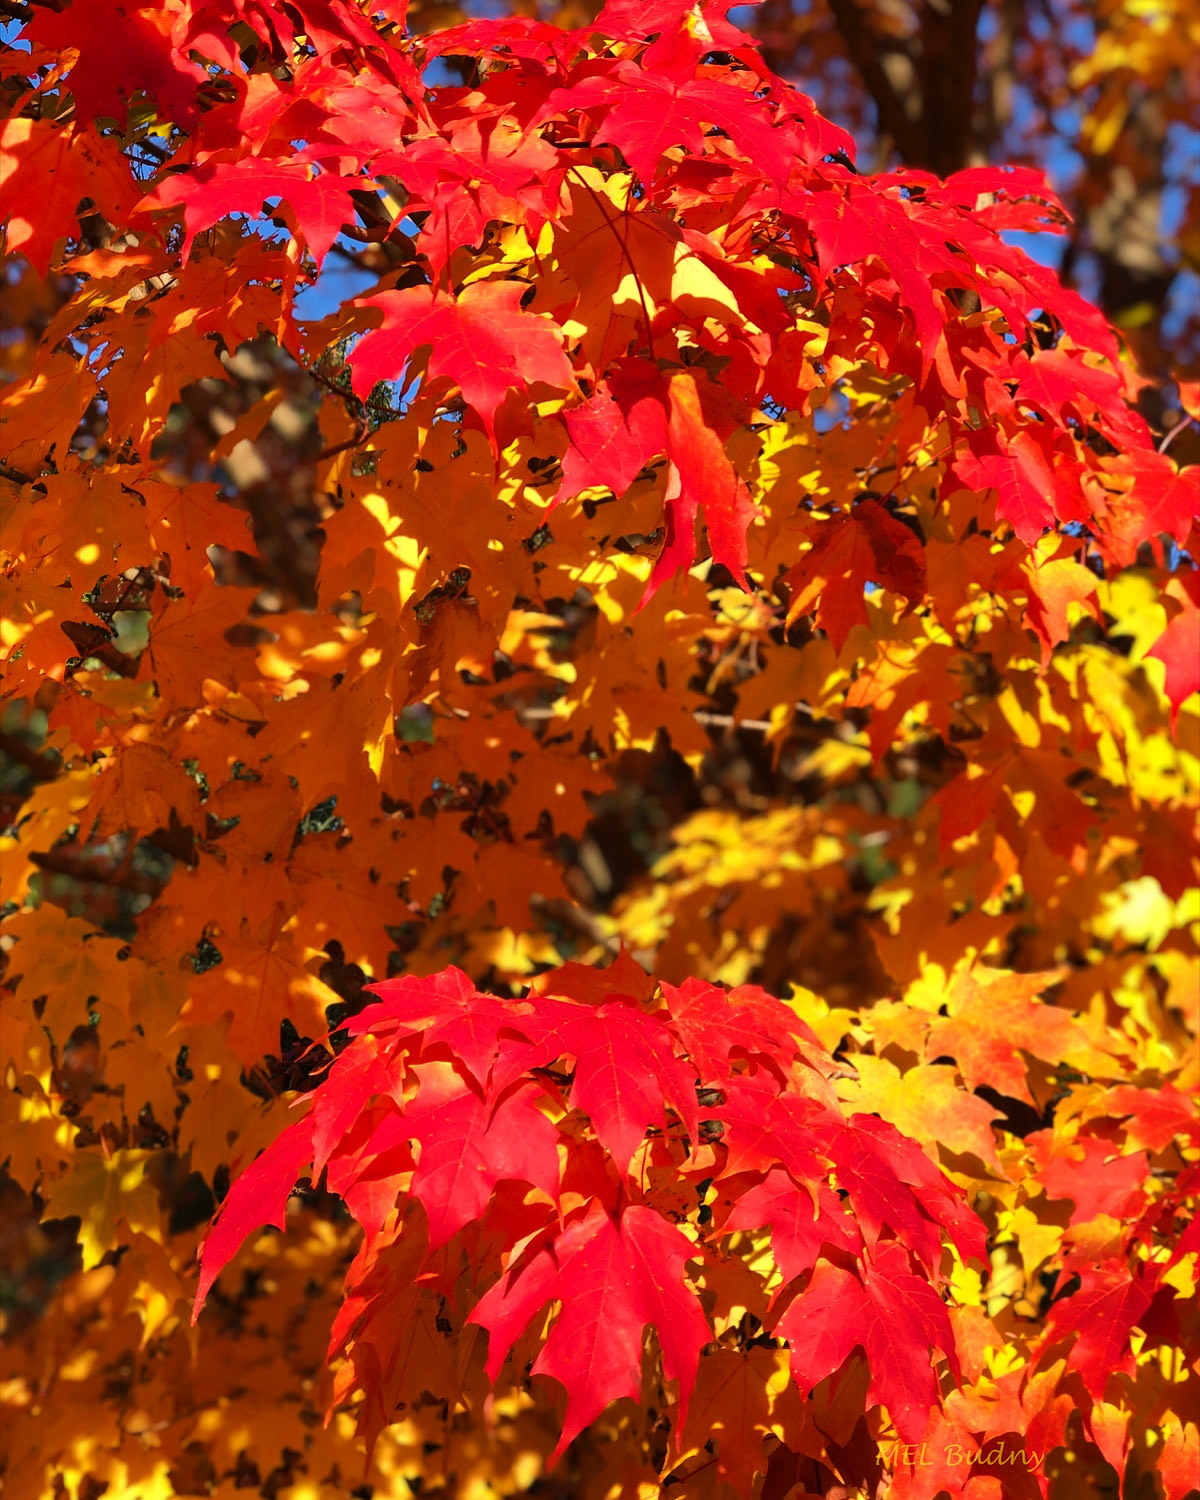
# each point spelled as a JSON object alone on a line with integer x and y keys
{"x": 592, "y": 1148}
{"x": 617, "y": 1111}
{"x": 760, "y": 215}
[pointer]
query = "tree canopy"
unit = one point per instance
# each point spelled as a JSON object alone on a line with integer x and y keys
{"x": 602, "y": 728}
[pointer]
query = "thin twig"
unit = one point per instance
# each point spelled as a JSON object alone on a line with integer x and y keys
{"x": 701, "y": 716}
{"x": 80, "y": 867}
{"x": 1184, "y": 422}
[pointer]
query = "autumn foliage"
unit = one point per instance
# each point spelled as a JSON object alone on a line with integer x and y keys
{"x": 604, "y": 730}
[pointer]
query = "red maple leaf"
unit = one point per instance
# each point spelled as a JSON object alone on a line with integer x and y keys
{"x": 57, "y": 169}
{"x": 443, "y": 1015}
{"x": 469, "y": 1144}
{"x": 625, "y": 1071}
{"x": 121, "y": 55}
{"x": 702, "y": 480}
{"x": 893, "y": 1185}
{"x": 481, "y": 340}
{"x": 636, "y": 19}
{"x": 258, "y": 1197}
{"x": 895, "y": 1317}
{"x": 616, "y": 433}
{"x": 625, "y": 1075}
{"x": 1154, "y": 1117}
{"x": 480, "y": 174}
{"x": 369, "y": 1162}
{"x": 850, "y": 551}
{"x": 763, "y": 1126}
{"x": 1178, "y": 648}
{"x": 803, "y": 1224}
{"x": 1159, "y": 499}
{"x": 321, "y": 202}
{"x": 1101, "y": 1313}
{"x": 1092, "y": 1174}
{"x": 613, "y": 1276}
{"x": 634, "y": 416}
{"x": 645, "y": 112}
{"x": 714, "y": 1027}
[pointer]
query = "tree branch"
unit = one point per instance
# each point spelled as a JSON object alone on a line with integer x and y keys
{"x": 42, "y": 766}
{"x": 860, "y": 44}
{"x": 77, "y": 865}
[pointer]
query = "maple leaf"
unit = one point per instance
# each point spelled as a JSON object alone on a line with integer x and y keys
{"x": 469, "y": 1144}
{"x": 803, "y": 1227}
{"x": 967, "y": 801}
{"x": 702, "y": 481}
{"x": 1178, "y": 648}
{"x": 178, "y": 657}
{"x": 619, "y": 430}
{"x": 1153, "y": 498}
{"x": 706, "y": 19}
{"x": 1022, "y": 469}
{"x": 1097, "y": 1179}
{"x": 625, "y": 1071}
{"x": 446, "y": 1013}
{"x": 372, "y": 1164}
{"x": 184, "y": 525}
{"x": 1017, "y": 1402}
{"x": 872, "y": 1158}
{"x": 1181, "y": 1453}
{"x": 741, "y": 1395}
{"x": 623, "y": 980}
{"x": 482, "y": 173}
{"x": 70, "y": 965}
{"x": 1054, "y": 587}
{"x": 144, "y": 790}
{"x": 868, "y": 546}
{"x": 895, "y": 1317}
{"x": 763, "y": 1126}
{"x": 357, "y": 1077}
{"x": 1101, "y": 1313}
{"x": 997, "y": 1017}
{"x": 1157, "y": 1116}
{"x": 215, "y": 189}
{"x": 644, "y": 114}
{"x": 862, "y": 219}
{"x": 480, "y": 340}
{"x": 79, "y": 164}
{"x": 632, "y": 250}
{"x": 715, "y": 1027}
{"x": 926, "y": 1103}
{"x": 266, "y": 975}
{"x": 341, "y": 901}
{"x": 258, "y": 1197}
{"x": 613, "y": 1276}
{"x": 113, "y": 62}
{"x": 104, "y": 1192}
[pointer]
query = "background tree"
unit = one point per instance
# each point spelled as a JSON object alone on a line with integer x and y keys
{"x": 507, "y": 497}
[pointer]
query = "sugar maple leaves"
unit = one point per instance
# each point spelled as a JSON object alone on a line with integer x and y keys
{"x": 481, "y": 340}
{"x": 653, "y": 242}
{"x": 569, "y": 1140}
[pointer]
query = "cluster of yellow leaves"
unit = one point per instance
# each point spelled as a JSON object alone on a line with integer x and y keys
{"x": 1140, "y": 44}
